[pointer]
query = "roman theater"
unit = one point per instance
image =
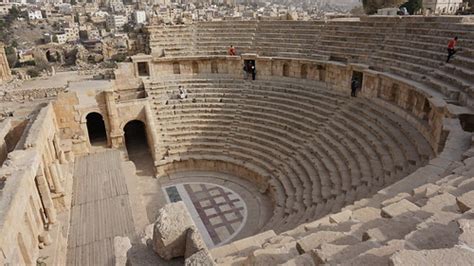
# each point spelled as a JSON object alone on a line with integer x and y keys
{"x": 178, "y": 158}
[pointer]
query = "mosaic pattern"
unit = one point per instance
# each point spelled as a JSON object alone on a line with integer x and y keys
{"x": 217, "y": 210}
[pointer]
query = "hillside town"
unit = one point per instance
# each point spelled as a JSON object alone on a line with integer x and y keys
{"x": 44, "y": 36}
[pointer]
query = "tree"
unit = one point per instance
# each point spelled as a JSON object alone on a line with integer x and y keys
{"x": 413, "y": 6}
{"x": 371, "y": 6}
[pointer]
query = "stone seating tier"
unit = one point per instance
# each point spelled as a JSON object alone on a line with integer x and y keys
{"x": 320, "y": 150}
{"x": 405, "y": 47}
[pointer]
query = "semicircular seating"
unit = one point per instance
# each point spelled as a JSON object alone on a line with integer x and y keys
{"x": 320, "y": 150}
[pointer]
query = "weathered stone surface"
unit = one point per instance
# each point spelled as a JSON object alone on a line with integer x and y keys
{"x": 200, "y": 258}
{"x": 312, "y": 241}
{"x": 271, "y": 256}
{"x": 466, "y": 201}
{"x": 366, "y": 214}
{"x": 334, "y": 254}
{"x": 340, "y": 217}
{"x": 451, "y": 256}
{"x": 121, "y": 247}
{"x": 170, "y": 230}
{"x": 399, "y": 208}
{"x": 301, "y": 260}
{"x": 194, "y": 242}
{"x": 467, "y": 229}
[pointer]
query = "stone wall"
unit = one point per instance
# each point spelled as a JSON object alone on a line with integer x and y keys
{"x": 34, "y": 195}
{"x": 401, "y": 96}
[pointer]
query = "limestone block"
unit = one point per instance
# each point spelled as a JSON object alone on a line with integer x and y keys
{"x": 426, "y": 190}
{"x": 449, "y": 256}
{"x": 121, "y": 247}
{"x": 335, "y": 254}
{"x": 397, "y": 198}
{"x": 200, "y": 258}
{"x": 312, "y": 241}
{"x": 466, "y": 201}
{"x": 271, "y": 256}
{"x": 194, "y": 242}
{"x": 301, "y": 260}
{"x": 399, "y": 208}
{"x": 170, "y": 230}
{"x": 366, "y": 214}
{"x": 467, "y": 229}
{"x": 340, "y": 217}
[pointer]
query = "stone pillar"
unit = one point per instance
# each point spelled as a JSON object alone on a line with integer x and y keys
{"x": 55, "y": 171}
{"x": 116, "y": 135}
{"x": 45, "y": 195}
{"x": 5, "y": 73}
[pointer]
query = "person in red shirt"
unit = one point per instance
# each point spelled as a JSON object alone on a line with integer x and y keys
{"x": 231, "y": 50}
{"x": 451, "y": 48}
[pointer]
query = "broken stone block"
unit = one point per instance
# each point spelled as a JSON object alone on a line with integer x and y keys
{"x": 340, "y": 217}
{"x": 466, "y": 201}
{"x": 271, "y": 256}
{"x": 170, "y": 230}
{"x": 467, "y": 228}
{"x": 312, "y": 241}
{"x": 301, "y": 260}
{"x": 336, "y": 254}
{"x": 121, "y": 247}
{"x": 200, "y": 258}
{"x": 398, "y": 208}
{"x": 194, "y": 242}
{"x": 366, "y": 214}
{"x": 455, "y": 256}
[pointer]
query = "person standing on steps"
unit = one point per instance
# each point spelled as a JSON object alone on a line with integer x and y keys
{"x": 232, "y": 51}
{"x": 354, "y": 86}
{"x": 246, "y": 70}
{"x": 452, "y": 48}
{"x": 253, "y": 70}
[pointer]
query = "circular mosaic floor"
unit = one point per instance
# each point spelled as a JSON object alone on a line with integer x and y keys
{"x": 223, "y": 207}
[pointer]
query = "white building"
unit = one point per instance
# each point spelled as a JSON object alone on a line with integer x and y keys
{"x": 139, "y": 17}
{"x": 115, "y": 22}
{"x": 441, "y": 6}
{"x": 35, "y": 14}
{"x": 72, "y": 33}
{"x": 60, "y": 38}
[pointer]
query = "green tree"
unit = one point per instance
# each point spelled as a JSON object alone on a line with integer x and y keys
{"x": 413, "y": 6}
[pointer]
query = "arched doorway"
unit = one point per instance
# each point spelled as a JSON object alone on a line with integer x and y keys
{"x": 136, "y": 143}
{"x": 96, "y": 129}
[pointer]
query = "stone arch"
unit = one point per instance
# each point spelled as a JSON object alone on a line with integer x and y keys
{"x": 96, "y": 128}
{"x": 135, "y": 135}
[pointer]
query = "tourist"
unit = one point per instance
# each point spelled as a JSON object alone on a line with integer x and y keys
{"x": 354, "y": 86}
{"x": 183, "y": 94}
{"x": 451, "y": 48}
{"x": 232, "y": 51}
{"x": 253, "y": 70}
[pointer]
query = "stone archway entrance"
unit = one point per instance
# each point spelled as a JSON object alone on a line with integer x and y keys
{"x": 136, "y": 142}
{"x": 96, "y": 129}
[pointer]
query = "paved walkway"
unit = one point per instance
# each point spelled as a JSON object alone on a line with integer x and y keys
{"x": 100, "y": 209}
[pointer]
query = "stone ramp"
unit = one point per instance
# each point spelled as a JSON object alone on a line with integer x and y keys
{"x": 100, "y": 209}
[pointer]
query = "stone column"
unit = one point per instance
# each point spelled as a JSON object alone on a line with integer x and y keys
{"x": 116, "y": 135}
{"x": 56, "y": 177}
{"x": 45, "y": 195}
